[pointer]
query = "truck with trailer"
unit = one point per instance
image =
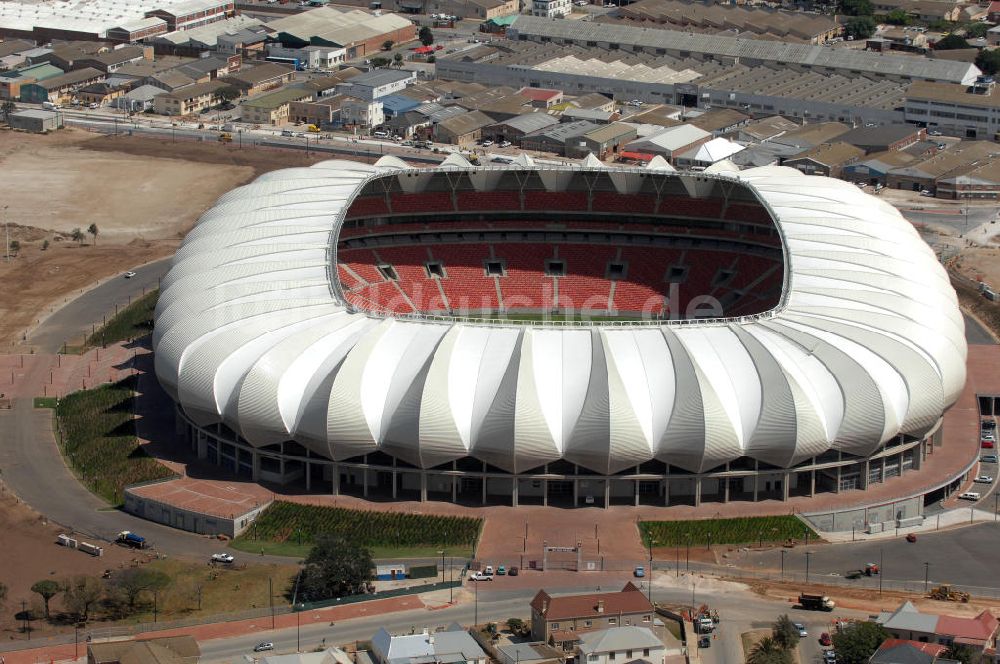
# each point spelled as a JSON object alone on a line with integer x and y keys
{"x": 131, "y": 539}
{"x": 816, "y": 602}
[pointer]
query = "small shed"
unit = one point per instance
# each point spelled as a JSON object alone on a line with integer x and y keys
{"x": 390, "y": 571}
{"x": 36, "y": 121}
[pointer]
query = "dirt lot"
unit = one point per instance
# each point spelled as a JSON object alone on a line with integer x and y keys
{"x": 30, "y": 549}
{"x": 144, "y": 195}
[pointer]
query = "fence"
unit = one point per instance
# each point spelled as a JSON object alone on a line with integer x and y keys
{"x": 386, "y": 594}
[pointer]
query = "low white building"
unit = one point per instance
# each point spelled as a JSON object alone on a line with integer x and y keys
{"x": 618, "y": 645}
{"x": 310, "y": 57}
{"x": 377, "y": 83}
{"x": 551, "y": 8}
{"x": 362, "y": 113}
{"x": 454, "y": 646}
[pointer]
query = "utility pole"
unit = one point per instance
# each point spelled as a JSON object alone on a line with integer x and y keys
{"x": 270, "y": 600}
{"x": 808, "y": 553}
{"x": 881, "y": 571}
{"x": 6, "y": 230}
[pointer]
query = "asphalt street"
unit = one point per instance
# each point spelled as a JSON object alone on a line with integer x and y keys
{"x": 976, "y": 334}
{"x": 75, "y": 318}
{"x": 740, "y": 612}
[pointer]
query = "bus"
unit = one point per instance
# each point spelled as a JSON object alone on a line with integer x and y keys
{"x": 294, "y": 62}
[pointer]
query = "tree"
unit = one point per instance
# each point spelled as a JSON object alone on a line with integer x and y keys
{"x": 15, "y": 246}
{"x": 860, "y": 27}
{"x": 897, "y": 17}
{"x": 228, "y": 93}
{"x": 432, "y": 59}
{"x": 335, "y": 567}
{"x": 379, "y": 62}
{"x": 81, "y": 593}
{"x": 950, "y": 43}
{"x": 988, "y": 61}
{"x": 768, "y": 651}
{"x": 92, "y": 229}
{"x": 961, "y": 653}
{"x": 77, "y": 235}
{"x": 516, "y": 625}
{"x": 45, "y": 245}
{"x": 785, "y": 634}
{"x": 387, "y": 44}
{"x": 397, "y": 60}
{"x": 976, "y": 29}
{"x": 7, "y": 108}
{"x": 48, "y": 589}
{"x": 425, "y": 36}
{"x": 858, "y": 642}
{"x": 134, "y": 581}
{"x": 857, "y": 7}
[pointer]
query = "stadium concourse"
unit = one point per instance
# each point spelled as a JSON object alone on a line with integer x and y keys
{"x": 576, "y": 336}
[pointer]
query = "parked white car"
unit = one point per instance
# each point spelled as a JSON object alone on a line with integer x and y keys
{"x": 984, "y": 479}
{"x": 479, "y": 576}
{"x": 969, "y": 495}
{"x": 224, "y": 558}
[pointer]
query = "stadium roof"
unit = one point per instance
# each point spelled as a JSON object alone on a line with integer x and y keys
{"x": 849, "y": 60}
{"x": 866, "y": 344}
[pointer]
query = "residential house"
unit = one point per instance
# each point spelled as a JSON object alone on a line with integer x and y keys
{"x": 590, "y": 611}
{"x": 138, "y": 100}
{"x": 189, "y": 100}
{"x": 765, "y": 129}
{"x": 594, "y": 100}
{"x": 827, "y": 159}
{"x": 171, "y": 80}
{"x": 529, "y": 653}
{"x": 100, "y": 93}
{"x": 810, "y": 135}
{"x": 157, "y": 650}
{"x": 377, "y": 83}
{"x": 981, "y": 181}
{"x": 11, "y": 81}
{"x": 901, "y": 651}
{"x": 362, "y": 112}
{"x": 326, "y": 86}
{"x": 515, "y": 128}
{"x": 263, "y": 77}
{"x": 619, "y": 644}
{"x": 909, "y": 623}
{"x": 454, "y": 646}
{"x": 555, "y": 138}
{"x": 462, "y": 129}
{"x": 328, "y": 656}
{"x": 312, "y": 56}
{"x": 542, "y": 97}
{"x": 670, "y": 142}
{"x": 874, "y": 168}
{"x": 272, "y": 108}
{"x": 925, "y": 173}
{"x": 721, "y": 121}
{"x": 603, "y": 142}
{"x": 320, "y": 112}
{"x": 59, "y": 88}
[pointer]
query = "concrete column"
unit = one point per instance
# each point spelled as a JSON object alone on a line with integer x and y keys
{"x": 308, "y": 476}
{"x": 336, "y": 479}
{"x": 281, "y": 468}
{"x": 784, "y": 486}
{"x": 364, "y": 481}
{"x": 884, "y": 464}
{"x": 454, "y": 488}
{"x": 697, "y": 491}
{"x": 725, "y": 487}
{"x": 863, "y": 484}
{"x": 423, "y": 486}
{"x": 918, "y": 457}
{"x": 607, "y": 492}
{"x": 839, "y": 469}
{"x": 666, "y": 492}
{"x": 576, "y": 492}
{"x": 202, "y": 443}
{"x": 395, "y": 483}
{"x": 255, "y": 474}
{"x": 484, "y": 487}
{"x": 636, "y": 492}
{"x": 812, "y": 483}
{"x": 756, "y": 479}
{"x": 545, "y": 492}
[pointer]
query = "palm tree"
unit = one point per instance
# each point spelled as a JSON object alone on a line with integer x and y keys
{"x": 92, "y": 229}
{"x": 767, "y": 651}
{"x": 7, "y": 108}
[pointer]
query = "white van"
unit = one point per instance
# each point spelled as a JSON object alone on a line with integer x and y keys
{"x": 381, "y": 134}
{"x": 49, "y": 106}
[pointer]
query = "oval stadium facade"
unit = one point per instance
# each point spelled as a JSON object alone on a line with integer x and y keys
{"x": 569, "y": 335}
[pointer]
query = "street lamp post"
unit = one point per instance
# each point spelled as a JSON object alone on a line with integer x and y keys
{"x": 677, "y": 560}
{"x": 881, "y": 571}
{"x": 687, "y": 555}
{"x": 808, "y": 553}
{"x": 927, "y": 572}
{"x": 783, "y": 563}
{"x": 475, "y": 618}
{"x": 298, "y": 632}
{"x": 442, "y": 564}
{"x": 451, "y": 585}
{"x": 649, "y": 594}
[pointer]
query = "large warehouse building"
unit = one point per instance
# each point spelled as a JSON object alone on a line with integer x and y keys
{"x": 558, "y": 335}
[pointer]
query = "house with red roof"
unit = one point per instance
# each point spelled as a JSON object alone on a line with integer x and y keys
{"x": 542, "y": 97}
{"x": 904, "y": 651}
{"x": 561, "y": 618}
{"x": 907, "y": 623}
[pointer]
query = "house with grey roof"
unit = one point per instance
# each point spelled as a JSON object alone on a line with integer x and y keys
{"x": 515, "y": 128}
{"x": 138, "y": 100}
{"x": 378, "y": 83}
{"x": 554, "y": 138}
{"x": 620, "y": 644}
{"x": 453, "y": 646}
{"x": 907, "y": 622}
{"x": 670, "y": 142}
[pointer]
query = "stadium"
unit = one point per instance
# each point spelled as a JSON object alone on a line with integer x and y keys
{"x": 554, "y": 334}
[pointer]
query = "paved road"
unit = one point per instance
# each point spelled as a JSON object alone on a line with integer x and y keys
{"x": 76, "y": 317}
{"x": 976, "y": 334}
{"x": 740, "y": 613}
